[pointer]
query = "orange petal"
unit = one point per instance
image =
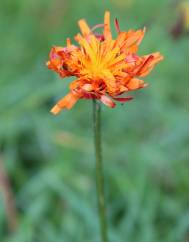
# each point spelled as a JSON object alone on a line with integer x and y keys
{"x": 135, "y": 37}
{"x": 123, "y": 88}
{"x": 68, "y": 42}
{"x": 149, "y": 63}
{"x": 67, "y": 102}
{"x": 85, "y": 30}
{"x": 107, "y": 29}
{"x": 87, "y": 47}
{"x": 107, "y": 101}
{"x": 133, "y": 84}
{"x": 76, "y": 83}
{"x": 133, "y": 40}
{"x": 55, "y": 110}
{"x": 87, "y": 87}
{"x": 120, "y": 39}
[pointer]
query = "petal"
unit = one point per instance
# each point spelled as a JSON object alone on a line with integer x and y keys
{"x": 55, "y": 110}
{"x": 76, "y": 83}
{"x": 107, "y": 29}
{"x": 107, "y": 101}
{"x": 123, "y": 99}
{"x": 121, "y": 39}
{"x": 133, "y": 84}
{"x": 68, "y": 42}
{"x": 123, "y": 88}
{"x": 144, "y": 66}
{"x": 87, "y": 47}
{"x": 87, "y": 87}
{"x": 116, "y": 23}
{"x": 133, "y": 39}
{"x": 85, "y": 30}
{"x": 109, "y": 80}
{"x": 67, "y": 102}
{"x": 148, "y": 64}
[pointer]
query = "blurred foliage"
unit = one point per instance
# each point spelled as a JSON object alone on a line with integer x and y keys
{"x": 50, "y": 160}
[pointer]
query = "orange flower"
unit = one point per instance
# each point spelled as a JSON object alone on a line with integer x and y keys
{"x": 105, "y": 67}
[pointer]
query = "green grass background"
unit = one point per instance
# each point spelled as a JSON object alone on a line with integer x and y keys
{"x": 50, "y": 160}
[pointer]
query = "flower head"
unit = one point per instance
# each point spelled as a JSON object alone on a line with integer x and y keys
{"x": 105, "y": 68}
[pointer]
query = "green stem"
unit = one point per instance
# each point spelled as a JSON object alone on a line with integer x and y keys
{"x": 99, "y": 170}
